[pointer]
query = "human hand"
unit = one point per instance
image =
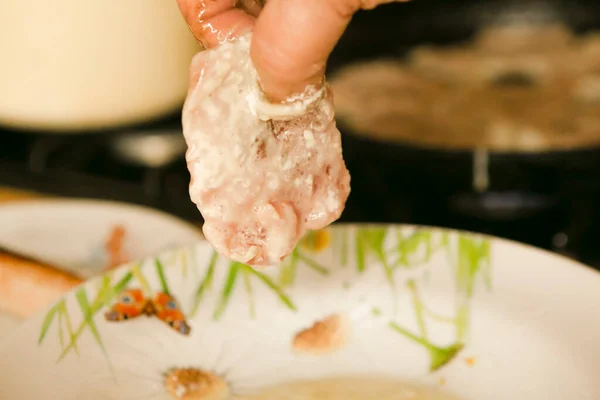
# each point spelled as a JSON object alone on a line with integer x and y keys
{"x": 292, "y": 39}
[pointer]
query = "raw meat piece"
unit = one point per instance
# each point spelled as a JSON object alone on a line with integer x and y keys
{"x": 262, "y": 174}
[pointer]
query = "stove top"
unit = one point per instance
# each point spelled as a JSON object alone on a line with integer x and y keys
{"x": 145, "y": 166}
{"x": 103, "y": 166}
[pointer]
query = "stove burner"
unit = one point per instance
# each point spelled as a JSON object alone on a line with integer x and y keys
{"x": 497, "y": 206}
{"x": 150, "y": 149}
{"x": 144, "y": 166}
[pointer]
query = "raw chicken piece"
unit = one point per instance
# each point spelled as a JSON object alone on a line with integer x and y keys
{"x": 262, "y": 173}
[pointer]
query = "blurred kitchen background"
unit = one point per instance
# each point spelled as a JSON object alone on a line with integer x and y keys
{"x": 90, "y": 103}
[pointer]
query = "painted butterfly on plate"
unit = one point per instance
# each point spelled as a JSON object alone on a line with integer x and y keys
{"x": 132, "y": 303}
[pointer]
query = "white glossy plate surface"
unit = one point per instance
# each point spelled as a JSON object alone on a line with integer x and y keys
{"x": 483, "y": 318}
{"x": 73, "y": 234}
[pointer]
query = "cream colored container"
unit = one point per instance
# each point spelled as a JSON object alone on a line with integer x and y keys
{"x": 85, "y": 64}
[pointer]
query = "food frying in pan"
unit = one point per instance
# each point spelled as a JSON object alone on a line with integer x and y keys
{"x": 513, "y": 88}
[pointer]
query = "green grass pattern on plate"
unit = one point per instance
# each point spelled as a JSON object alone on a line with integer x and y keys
{"x": 469, "y": 258}
{"x": 311, "y": 243}
{"x": 59, "y": 313}
{"x": 235, "y": 269}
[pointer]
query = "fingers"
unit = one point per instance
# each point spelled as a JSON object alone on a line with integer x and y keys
{"x": 214, "y": 21}
{"x": 252, "y": 7}
{"x": 293, "y": 39}
{"x": 225, "y": 26}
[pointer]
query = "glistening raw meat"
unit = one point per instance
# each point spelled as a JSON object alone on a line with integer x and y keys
{"x": 262, "y": 174}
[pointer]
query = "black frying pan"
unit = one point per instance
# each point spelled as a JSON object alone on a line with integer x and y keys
{"x": 531, "y": 196}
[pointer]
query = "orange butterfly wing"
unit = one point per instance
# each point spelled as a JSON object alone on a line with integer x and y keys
{"x": 131, "y": 303}
{"x": 167, "y": 310}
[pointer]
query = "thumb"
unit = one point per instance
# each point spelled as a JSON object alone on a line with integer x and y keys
{"x": 293, "y": 39}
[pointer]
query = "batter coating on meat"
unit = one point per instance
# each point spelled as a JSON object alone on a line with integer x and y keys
{"x": 262, "y": 174}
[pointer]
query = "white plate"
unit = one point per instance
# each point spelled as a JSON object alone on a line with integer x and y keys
{"x": 72, "y": 233}
{"x": 529, "y": 320}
